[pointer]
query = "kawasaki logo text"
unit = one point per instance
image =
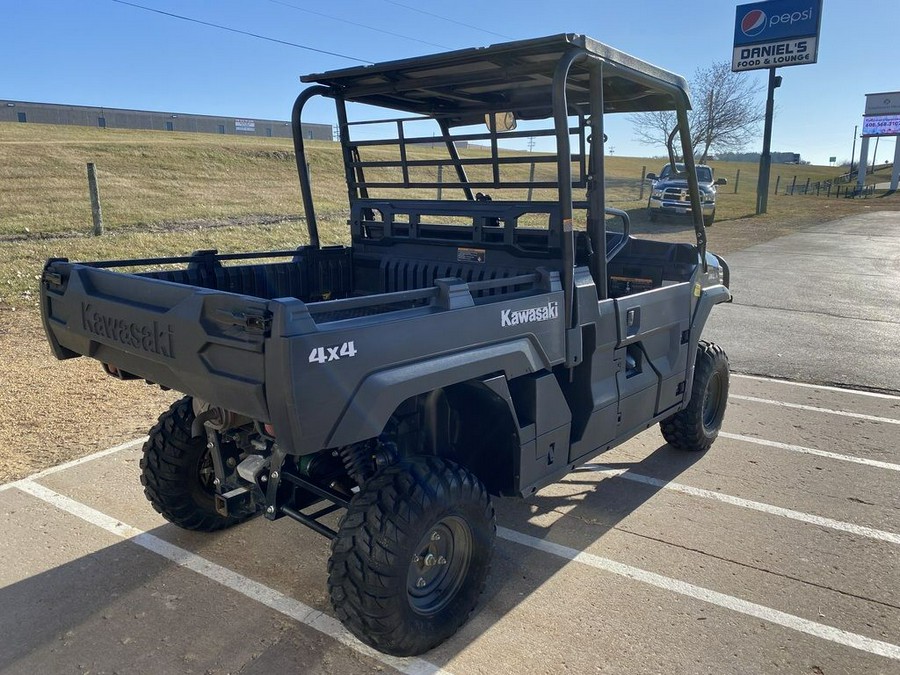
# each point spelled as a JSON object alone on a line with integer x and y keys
{"x": 149, "y": 337}
{"x": 514, "y": 317}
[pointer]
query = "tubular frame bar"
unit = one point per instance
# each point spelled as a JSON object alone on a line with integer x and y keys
{"x": 688, "y": 153}
{"x": 596, "y": 221}
{"x": 300, "y": 156}
{"x": 564, "y": 177}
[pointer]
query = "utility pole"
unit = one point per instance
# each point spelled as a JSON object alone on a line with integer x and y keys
{"x": 765, "y": 159}
{"x": 853, "y": 151}
{"x": 530, "y": 143}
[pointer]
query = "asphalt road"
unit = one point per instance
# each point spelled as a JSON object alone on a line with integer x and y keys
{"x": 821, "y": 305}
{"x": 776, "y": 551}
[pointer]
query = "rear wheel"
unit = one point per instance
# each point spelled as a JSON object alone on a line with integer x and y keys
{"x": 708, "y": 220}
{"x": 412, "y": 555}
{"x": 697, "y": 426}
{"x": 177, "y": 473}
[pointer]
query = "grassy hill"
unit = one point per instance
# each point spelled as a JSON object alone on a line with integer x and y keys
{"x": 165, "y": 193}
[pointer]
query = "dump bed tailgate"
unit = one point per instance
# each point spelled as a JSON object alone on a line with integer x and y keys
{"x": 206, "y": 343}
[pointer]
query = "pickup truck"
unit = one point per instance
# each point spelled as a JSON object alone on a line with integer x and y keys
{"x": 669, "y": 193}
{"x": 478, "y": 344}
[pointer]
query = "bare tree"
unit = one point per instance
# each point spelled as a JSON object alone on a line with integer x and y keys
{"x": 725, "y": 114}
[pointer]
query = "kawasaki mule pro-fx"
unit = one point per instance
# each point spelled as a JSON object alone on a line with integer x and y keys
{"x": 482, "y": 335}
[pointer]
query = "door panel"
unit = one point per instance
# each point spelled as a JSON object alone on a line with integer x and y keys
{"x": 651, "y": 340}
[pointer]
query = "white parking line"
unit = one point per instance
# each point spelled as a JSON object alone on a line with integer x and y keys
{"x": 775, "y": 616}
{"x": 841, "y": 390}
{"x": 860, "y": 530}
{"x": 127, "y": 445}
{"x": 237, "y": 582}
{"x": 811, "y": 451}
{"x": 331, "y": 627}
{"x": 812, "y": 408}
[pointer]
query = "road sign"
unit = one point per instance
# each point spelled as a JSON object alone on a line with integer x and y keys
{"x": 775, "y": 34}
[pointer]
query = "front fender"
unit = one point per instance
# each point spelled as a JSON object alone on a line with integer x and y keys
{"x": 709, "y": 297}
{"x": 381, "y": 393}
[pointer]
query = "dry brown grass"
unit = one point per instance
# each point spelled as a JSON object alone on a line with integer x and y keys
{"x": 166, "y": 193}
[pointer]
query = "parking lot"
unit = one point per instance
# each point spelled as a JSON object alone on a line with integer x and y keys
{"x": 776, "y": 551}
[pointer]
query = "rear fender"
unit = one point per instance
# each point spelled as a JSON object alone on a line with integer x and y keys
{"x": 381, "y": 393}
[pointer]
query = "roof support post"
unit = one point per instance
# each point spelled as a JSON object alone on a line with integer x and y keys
{"x": 564, "y": 176}
{"x": 597, "y": 200}
{"x": 300, "y": 155}
{"x": 687, "y": 152}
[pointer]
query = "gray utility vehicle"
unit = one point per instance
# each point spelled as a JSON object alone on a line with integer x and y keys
{"x": 670, "y": 193}
{"x": 460, "y": 348}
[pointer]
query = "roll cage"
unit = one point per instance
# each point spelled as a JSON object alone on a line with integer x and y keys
{"x": 553, "y": 78}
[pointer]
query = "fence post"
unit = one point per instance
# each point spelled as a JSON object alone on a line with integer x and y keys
{"x": 807, "y": 186}
{"x": 737, "y": 180}
{"x": 828, "y": 194}
{"x": 777, "y": 183}
{"x": 530, "y": 180}
{"x": 793, "y": 185}
{"x": 440, "y": 180}
{"x": 643, "y": 178}
{"x": 95, "y": 199}
{"x": 838, "y": 195}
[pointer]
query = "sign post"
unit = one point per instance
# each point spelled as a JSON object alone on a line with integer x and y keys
{"x": 770, "y": 35}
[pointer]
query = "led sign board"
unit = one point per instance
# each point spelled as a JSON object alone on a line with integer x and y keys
{"x": 881, "y": 125}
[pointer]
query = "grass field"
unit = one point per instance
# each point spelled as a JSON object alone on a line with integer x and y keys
{"x": 167, "y": 193}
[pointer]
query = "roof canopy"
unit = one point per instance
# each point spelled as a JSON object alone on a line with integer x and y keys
{"x": 513, "y": 76}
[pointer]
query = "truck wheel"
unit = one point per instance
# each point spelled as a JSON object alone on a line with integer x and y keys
{"x": 177, "y": 472}
{"x": 709, "y": 219}
{"x": 412, "y": 555}
{"x": 696, "y": 427}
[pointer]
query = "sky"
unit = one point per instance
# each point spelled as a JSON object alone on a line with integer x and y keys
{"x": 105, "y": 53}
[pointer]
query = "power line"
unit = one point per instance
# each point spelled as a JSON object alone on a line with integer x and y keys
{"x": 242, "y": 32}
{"x": 360, "y": 25}
{"x": 444, "y": 18}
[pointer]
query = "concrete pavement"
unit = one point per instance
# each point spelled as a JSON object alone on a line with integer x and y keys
{"x": 751, "y": 558}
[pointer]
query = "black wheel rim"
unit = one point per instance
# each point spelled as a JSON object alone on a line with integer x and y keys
{"x": 439, "y": 565}
{"x": 206, "y": 473}
{"x": 712, "y": 402}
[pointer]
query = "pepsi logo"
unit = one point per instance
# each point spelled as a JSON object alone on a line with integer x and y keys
{"x": 753, "y": 23}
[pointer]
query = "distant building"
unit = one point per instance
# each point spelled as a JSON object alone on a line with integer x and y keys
{"x": 118, "y": 118}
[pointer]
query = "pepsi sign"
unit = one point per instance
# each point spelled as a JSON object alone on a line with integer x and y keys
{"x": 776, "y": 33}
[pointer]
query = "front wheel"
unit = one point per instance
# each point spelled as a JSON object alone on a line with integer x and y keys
{"x": 697, "y": 426}
{"x": 412, "y": 555}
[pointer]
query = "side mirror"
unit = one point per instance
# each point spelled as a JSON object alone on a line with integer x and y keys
{"x": 721, "y": 181}
{"x": 651, "y": 176}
